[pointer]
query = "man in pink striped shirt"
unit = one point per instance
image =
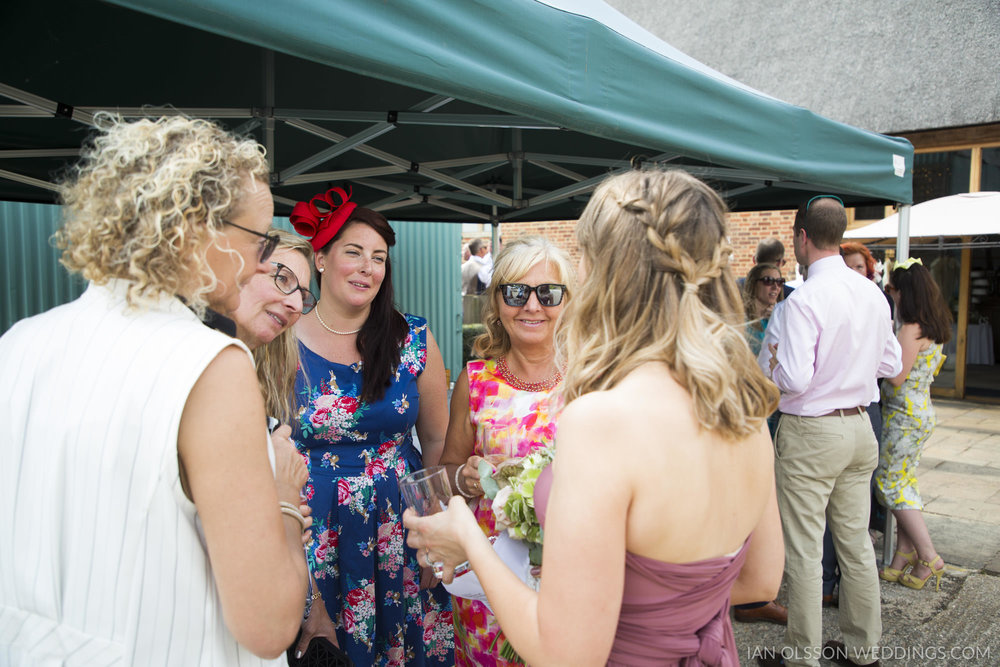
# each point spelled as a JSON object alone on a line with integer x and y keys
{"x": 835, "y": 339}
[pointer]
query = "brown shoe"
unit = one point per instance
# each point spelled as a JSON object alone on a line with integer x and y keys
{"x": 772, "y": 612}
{"x": 836, "y": 651}
{"x": 831, "y": 600}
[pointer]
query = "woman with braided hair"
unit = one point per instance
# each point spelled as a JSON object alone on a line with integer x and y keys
{"x": 661, "y": 508}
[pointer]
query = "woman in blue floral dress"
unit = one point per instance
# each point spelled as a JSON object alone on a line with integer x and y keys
{"x": 367, "y": 376}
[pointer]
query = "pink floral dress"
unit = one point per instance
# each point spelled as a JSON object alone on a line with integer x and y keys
{"x": 356, "y": 453}
{"x": 496, "y": 405}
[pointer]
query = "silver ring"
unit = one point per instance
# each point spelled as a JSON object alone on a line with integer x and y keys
{"x": 427, "y": 559}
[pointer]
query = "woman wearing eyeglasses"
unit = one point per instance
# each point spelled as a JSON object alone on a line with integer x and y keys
{"x": 500, "y": 406}
{"x": 762, "y": 290}
{"x": 132, "y": 434}
{"x": 270, "y": 305}
{"x": 368, "y": 375}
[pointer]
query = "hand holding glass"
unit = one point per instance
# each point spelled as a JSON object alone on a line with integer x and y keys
{"x": 427, "y": 492}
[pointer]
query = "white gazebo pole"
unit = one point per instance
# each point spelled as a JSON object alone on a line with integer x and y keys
{"x": 903, "y": 235}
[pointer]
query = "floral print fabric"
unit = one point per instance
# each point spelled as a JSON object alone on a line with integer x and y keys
{"x": 356, "y": 453}
{"x": 907, "y": 421}
{"x": 526, "y": 422}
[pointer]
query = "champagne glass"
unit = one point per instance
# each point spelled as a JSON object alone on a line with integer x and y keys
{"x": 427, "y": 492}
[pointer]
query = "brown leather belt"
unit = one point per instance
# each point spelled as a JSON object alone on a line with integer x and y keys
{"x": 845, "y": 412}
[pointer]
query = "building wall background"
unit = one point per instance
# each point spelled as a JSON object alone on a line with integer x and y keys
{"x": 892, "y": 66}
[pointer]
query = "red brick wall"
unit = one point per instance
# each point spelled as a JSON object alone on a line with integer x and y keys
{"x": 749, "y": 227}
{"x": 745, "y": 230}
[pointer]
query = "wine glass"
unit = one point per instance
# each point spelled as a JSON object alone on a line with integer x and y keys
{"x": 427, "y": 492}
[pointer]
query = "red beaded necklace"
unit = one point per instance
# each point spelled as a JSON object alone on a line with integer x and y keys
{"x": 517, "y": 383}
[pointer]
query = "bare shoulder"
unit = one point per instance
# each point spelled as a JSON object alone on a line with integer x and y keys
{"x": 647, "y": 399}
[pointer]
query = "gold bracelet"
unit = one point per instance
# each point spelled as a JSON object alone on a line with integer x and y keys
{"x": 458, "y": 486}
{"x": 315, "y": 596}
{"x": 289, "y": 510}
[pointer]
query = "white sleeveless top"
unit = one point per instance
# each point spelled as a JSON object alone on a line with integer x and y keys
{"x": 101, "y": 558}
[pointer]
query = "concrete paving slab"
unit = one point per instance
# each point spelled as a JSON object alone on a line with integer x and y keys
{"x": 960, "y": 624}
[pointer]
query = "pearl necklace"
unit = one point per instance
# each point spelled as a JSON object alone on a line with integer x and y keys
{"x": 331, "y": 329}
{"x": 517, "y": 383}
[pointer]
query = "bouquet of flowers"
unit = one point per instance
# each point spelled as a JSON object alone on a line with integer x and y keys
{"x": 511, "y": 487}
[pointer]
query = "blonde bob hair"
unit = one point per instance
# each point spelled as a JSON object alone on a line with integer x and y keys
{"x": 278, "y": 360}
{"x": 147, "y": 200}
{"x": 658, "y": 288}
{"x": 512, "y": 264}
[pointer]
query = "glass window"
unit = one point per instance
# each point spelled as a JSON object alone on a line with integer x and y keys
{"x": 940, "y": 174}
{"x": 991, "y": 170}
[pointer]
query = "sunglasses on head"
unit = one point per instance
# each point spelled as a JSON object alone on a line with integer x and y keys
{"x": 809, "y": 203}
{"x": 768, "y": 280}
{"x": 516, "y": 295}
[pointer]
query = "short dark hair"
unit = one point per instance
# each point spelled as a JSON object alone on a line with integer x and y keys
{"x": 475, "y": 245}
{"x": 824, "y": 220}
{"x": 920, "y": 302}
{"x": 769, "y": 251}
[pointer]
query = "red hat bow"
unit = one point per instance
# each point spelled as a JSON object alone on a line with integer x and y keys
{"x": 319, "y": 219}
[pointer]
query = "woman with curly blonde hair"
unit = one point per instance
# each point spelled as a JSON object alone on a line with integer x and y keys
{"x": 119, "y": 513}
{"x": 501, "y": 403}
{"x": 662, "y": 508}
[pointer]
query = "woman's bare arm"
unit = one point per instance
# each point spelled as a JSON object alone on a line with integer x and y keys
{"x": 255, "y": 551}
{"x": 432, "y": 419}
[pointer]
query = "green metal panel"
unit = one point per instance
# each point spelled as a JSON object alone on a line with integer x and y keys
{"x": 426, "y": 277}
{"x": 33, "y": 279}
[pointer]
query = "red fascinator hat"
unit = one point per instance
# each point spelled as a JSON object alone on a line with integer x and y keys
{"x": 320, "y": 218}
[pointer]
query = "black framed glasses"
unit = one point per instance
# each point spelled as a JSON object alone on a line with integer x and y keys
{"x": 287, "y": 283}
{"x": 768, "y": 280}
{"x": 516, "y": 295}
{"x": 268, "y": 242}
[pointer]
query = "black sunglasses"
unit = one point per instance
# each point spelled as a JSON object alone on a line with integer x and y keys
{"x": 287, "y": 283}
{"x": 516, "y": 295}
{"x": 267, "y": 244}
{"x": 768, "y": 280}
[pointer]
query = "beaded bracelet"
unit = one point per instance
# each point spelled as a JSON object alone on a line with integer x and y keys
{"x": 458, "y": 471}
{"x": 291, "y": 510}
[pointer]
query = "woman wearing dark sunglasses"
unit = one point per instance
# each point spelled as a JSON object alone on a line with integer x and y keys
{"x": 500, "y": 406}
{"x": 762, "y": 290}
{"x": 270, "y": 304}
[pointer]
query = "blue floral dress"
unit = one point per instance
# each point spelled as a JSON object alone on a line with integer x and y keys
{"x": 356, "y": 454}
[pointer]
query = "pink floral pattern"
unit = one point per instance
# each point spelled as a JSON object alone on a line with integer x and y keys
{"x": 494, "y": 404}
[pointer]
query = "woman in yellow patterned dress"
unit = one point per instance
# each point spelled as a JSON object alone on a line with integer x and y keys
{"x": 500, "y": 406}
{"x": 908, "y": 419}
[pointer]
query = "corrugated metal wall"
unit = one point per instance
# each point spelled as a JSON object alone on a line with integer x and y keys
{"x": 426, "y": 267}
{"x": 425, "y": 262}
{"x": 33, "y": 278}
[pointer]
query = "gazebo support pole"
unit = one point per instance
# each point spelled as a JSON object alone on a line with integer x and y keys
{"x": 903, "y": 236}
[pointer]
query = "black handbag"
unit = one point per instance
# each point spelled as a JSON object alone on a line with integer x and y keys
{"x": 321, "y": 652}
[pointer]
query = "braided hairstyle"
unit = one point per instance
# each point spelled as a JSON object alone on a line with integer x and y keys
{"x": 659, "y": 288}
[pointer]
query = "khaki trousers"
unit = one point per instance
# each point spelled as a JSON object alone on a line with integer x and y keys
{"x": 823, "y": 468}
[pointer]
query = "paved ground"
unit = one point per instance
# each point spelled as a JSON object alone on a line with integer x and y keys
{"x": 959, "y": 625}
